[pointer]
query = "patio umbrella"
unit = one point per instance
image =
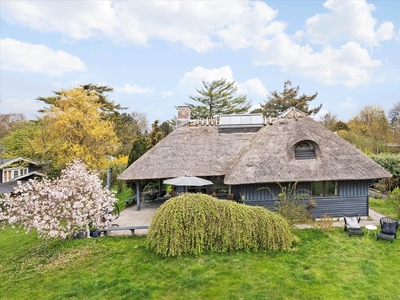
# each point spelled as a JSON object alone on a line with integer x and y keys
{"x": 188, "y": 180}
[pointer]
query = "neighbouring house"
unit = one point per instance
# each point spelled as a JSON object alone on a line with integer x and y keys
{"x": 249, "y": 155}
{"x": 17, "y": 170}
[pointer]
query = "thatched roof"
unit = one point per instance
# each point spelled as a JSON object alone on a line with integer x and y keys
{"x": 249, "y": 155}
{"x": 271, "y": 156}
{"x": 197, "y": 150}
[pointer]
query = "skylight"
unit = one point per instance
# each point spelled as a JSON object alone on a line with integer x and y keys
{"x": 248, "y": 120}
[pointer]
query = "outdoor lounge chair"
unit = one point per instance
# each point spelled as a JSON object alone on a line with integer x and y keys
{"x": 388, "y": 229}
{"x": 352, "y": 226}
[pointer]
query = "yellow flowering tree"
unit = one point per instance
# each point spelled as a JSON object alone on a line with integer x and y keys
{"x": 74, "y": 129}
{"x": 85, "y": 134}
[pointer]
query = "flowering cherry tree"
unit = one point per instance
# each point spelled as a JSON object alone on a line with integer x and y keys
{"x": 58, "y": 208}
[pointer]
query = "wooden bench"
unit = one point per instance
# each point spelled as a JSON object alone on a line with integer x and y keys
{"x": 131, "y": 200}
{"x": 131, "y": 228}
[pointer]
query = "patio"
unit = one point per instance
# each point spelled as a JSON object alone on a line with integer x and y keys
{"x": 131, "y": 216}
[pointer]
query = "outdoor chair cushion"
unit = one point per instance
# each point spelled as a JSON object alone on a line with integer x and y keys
{"x": 389, "y": 228}
{"x": 352, "y": 222}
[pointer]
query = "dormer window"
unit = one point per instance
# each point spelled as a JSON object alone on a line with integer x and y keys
{"x": 304, "y": 150}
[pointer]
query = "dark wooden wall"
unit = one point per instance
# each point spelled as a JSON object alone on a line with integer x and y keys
{"x": 352, "y": 198}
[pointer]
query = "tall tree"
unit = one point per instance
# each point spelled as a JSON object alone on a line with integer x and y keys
{"x": 139, "y": 147}
{"x": 33, "y": 140}
{"x": 71, "y": 128}
{"x": 340, "y": 125}
{"x": 128, "y": 128}
{"x": 166, "y": 128}
{"x": 218, "y": 97}
{"x": 108, "y": 108}
{"x": 394, "y": 118}
{"x": 330, "y": 121}
{"x": 371, "y": 124}
{"x": 278, "y": 102}
{"x": 140, "y": 123}
{"x": 9, "y": 122}
{"x": 155, "y": 135}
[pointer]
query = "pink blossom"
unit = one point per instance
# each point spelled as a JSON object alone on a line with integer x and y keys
{"x": 58, "y": 208}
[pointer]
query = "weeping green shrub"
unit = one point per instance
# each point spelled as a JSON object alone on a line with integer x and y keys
{"x": 194, "y": 223}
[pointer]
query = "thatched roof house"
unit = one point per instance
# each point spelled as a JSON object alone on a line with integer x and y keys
{"x": 249, "y": 151}
{"x": 271, "y": 155}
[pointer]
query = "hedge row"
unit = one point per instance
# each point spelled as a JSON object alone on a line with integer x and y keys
{"x": 390, "y": 161}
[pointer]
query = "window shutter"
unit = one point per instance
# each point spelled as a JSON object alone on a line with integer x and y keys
{"x": 300, "y": 154}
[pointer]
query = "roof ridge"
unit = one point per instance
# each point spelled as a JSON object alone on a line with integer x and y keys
{"x": 293, "y": 110}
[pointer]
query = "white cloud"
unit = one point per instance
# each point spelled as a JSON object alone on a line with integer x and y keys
{"x": 347, "y": 104}
{"x": 24, "y": 57}
{"x": 28, "y": 107}
{"x": 320, "y": 114}
{"x": 345, "y": 32}
{"x": 251, "y": 27}
{"x": 193, "y": 79}
{"x": 58, "y": 85}
{"x": 77, "y": 19}
{"x": 167, "y": 94}
{"x": 195, "y": 24}
{"x": 348, "y": 20}
{"x": 134, "y": 89}
{"x": 350, "y": 65}
{"x": 253, "y": 87}
{"x": 350, "y": 25}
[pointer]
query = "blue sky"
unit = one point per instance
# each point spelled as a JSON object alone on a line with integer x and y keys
{"x": 155, "y": 53}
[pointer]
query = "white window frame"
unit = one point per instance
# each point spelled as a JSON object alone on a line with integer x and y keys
{"x": 11, "y": 173}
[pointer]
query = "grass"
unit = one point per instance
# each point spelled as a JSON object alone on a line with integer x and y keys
{"x": 323, "y": 265}
{"x": 385, "y": 207}
{"x": 124, "y": 195}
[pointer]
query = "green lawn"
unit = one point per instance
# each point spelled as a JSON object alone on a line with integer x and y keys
{"x": 326, "y": 265}
{"x": 386, "y": 207}
{"x": 124, "y": 195}
{"x": 323, "y": 265}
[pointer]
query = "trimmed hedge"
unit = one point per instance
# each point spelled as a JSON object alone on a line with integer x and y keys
{"x": 390, "y": 161}
{"x": 194, "y": 223}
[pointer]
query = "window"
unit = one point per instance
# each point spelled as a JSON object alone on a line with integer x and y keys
{"x": 304, "y": 150}
{"x": 324, "y": 188}
{"x": 9, "y": 174}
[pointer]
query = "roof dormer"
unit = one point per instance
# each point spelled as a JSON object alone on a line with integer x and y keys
{"x": 304, "y": 150}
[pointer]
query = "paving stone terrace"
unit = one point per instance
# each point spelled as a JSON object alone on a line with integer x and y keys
{"x": 131, "y": 216}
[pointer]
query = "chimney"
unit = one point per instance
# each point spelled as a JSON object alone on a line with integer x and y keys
{"x": 183, "y": 115}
